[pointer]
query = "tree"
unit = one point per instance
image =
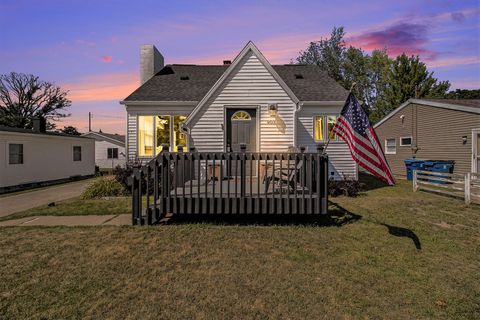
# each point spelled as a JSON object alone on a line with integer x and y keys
{"x": 24, "y": 97}
{"x": 328, "y": 54}
{"x": 382, "y": 84}
{"x": 463, "y": 94}
{"x": 407, "y": 78}
{"x": 70, "y": 130}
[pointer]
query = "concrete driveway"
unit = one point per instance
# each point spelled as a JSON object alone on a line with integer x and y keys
{"x": 35, "y": 198}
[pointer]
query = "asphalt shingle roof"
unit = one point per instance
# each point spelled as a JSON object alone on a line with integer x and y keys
{"x": 167, "y": 84}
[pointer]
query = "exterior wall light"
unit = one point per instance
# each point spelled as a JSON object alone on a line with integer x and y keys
{"x": 464, "y": 139}
{"x": 272, "y": 109}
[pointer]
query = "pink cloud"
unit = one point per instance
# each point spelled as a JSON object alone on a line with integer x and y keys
{"x": 402, "y": 37}
{"x": 457, "y": 61}
{"x": 106, "y": 59}
{"x": 113, "y": 86}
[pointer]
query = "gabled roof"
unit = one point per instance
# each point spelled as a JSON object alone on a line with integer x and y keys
{"x": 250, "y": 47}
{"x": 464, "y": 105}
{"x": 102, "y": 136}
{"x": 167, "y": 84}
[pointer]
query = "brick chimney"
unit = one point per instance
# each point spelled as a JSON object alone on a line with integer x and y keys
{"x": 151, "y": 61}
{"x": 39, "y": 125}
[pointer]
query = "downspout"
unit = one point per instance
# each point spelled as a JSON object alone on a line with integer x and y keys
{"x": 298, "y": 107}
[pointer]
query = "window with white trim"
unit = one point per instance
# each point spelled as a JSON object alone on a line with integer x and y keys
{"x": 405, "y": 141}
{"x": 390, "y": 146}
{"x": 153, "y": 131}
{"x": 322, "y": 127}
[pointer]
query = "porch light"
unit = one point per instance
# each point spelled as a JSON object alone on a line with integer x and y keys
{"x": 272, "y": 109}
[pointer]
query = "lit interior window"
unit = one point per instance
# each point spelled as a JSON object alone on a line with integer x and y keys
{"x": 319, "y": 128}
{"x": 179, "y": 138}
{"x": 162, "y": 126}
{"x": 145, "y": 136}
{"x": 331, "y": 123}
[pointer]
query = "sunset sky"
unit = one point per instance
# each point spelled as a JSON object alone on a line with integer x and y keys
{"x": 92, "y": 47}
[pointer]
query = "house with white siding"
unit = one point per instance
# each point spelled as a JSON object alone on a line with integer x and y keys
{"x": 215, "y": 108}
{"x": 109, "y": 149}
{"x": 37, "y": 157}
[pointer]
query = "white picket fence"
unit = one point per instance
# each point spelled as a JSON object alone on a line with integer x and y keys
{"x": 465, "y": 186}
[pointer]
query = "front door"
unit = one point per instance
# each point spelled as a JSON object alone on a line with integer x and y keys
{"x": 241, "y": 129}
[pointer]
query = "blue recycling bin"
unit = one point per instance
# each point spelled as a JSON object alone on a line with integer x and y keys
{"x": 442, "y": 166}
{"x": 413, "y": 164}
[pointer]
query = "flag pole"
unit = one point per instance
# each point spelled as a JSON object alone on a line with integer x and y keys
{"x": 330, "y": 131}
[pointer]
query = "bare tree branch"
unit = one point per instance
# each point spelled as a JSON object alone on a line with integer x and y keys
{"x": 24, "y": 97}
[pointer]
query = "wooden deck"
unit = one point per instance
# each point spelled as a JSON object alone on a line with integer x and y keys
{"x": 197, "y": 183}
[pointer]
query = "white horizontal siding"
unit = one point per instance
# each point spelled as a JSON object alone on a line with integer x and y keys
{"x": 101, "y": 155}
{"x": 250, "y": 85}
{"x": 340, "y": 161}
{"x": 131, "y": 136}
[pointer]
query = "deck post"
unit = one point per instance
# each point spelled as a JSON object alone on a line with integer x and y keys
{"x": 243, "y": 149}
{"x": 136, "y": 195}
{"x": 322, "y": 181}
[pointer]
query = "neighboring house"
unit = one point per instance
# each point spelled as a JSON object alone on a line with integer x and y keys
{"x": 109, "y": 149}
{"x": 35, "y": 156}
{"x": 214, "y": 108}
{"x": 432, "y": 129}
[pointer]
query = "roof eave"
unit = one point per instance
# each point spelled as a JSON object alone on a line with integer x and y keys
{"x": 158, "y": 103}
{"x": 431, "y": 104}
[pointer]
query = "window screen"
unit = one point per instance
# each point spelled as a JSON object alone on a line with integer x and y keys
{"x": 15, "y": 153}
{"x": 112, "y": 153}
{"x": 77, "y": 153}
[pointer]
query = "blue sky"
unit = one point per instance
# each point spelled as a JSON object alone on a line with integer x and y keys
{"x": 92, "y": 47}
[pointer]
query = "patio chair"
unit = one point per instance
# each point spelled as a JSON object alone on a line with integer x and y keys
{"x": 284, "y": 178}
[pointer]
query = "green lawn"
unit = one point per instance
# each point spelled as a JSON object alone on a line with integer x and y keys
{"x": 78, "y": 206}
{"x": 397, "y": 255}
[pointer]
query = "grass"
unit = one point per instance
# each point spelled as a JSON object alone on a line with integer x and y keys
{"x": 396, "y": 254}
{"x": 77, "y": 206}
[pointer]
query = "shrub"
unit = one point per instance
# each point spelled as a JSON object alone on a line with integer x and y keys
{"x": 121, "y": 175}
{"x": 103, "y": 187}
{"x": 345, "y": 187}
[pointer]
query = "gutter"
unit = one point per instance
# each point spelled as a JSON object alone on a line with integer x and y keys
{"x": 158, "y": 103}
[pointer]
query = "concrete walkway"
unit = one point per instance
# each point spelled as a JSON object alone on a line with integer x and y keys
{"x": 97, "y": 220}
{"x": 30, "y": 199}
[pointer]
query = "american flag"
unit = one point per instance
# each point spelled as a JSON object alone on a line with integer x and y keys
{"x": 355, "y": 129}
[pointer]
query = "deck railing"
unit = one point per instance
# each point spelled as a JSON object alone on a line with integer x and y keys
{"x": 229, "y": 183}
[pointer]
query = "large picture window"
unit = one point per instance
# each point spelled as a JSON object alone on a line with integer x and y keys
{"x": 322, "y": 127}
{"x": 154, "y": 131}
